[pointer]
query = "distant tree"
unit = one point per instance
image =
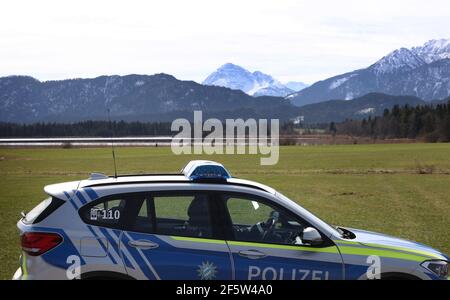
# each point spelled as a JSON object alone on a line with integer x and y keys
{"x": 431, "y": 122}
{"x": 332, "y": 128}
{"x": 86, "y": 128}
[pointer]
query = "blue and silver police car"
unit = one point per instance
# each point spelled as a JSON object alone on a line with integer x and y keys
{"x": 202, "y": 224}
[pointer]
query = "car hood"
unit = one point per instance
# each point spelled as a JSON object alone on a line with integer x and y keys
{"x": 379, "y": 240}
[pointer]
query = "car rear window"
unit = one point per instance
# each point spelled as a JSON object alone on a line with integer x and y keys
{"x": 42, "y": 210}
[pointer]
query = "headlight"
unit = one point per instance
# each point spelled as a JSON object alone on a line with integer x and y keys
{"x": 438, "y": 267}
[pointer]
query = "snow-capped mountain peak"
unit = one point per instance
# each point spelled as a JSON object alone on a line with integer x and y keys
{"x": 409, "y": 59}
{"x": 256, "y": 84}
{"x": 422, "y": 71}
{"x": 433, "y": 50}
{"x": 232, "y": 76}
{"x": 399, "y": 59}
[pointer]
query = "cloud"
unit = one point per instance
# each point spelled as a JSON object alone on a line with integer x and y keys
{"x": 292, "y": 40}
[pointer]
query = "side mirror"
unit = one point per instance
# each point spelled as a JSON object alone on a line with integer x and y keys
{"x": 311, "y": 236}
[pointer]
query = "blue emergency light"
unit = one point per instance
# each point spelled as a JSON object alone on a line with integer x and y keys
{"x": 205, "y": 170}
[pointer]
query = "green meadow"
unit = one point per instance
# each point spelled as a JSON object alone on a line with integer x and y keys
{"x": 398, "y": 189}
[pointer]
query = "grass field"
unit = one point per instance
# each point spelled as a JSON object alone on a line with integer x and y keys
{"x": 374, "y": 187}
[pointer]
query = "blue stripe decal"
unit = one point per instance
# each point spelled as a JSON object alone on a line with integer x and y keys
{"x": 127, "y": 261}
{"x": 71, "y": 200}
{"x": 140, "y": 261}
{"x": 73, "y": 203}
{"x": 80, "y": 196}
{"x": 91, "y": 193}
{"x": 111, "y": 240}
{"x": 101, "y": 244}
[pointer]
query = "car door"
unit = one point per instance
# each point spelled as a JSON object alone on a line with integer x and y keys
{"x": 172, "y": 235}
{"x": 265, "y": 242}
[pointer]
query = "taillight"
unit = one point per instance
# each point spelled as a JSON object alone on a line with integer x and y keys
{"x": 37, "y": 243}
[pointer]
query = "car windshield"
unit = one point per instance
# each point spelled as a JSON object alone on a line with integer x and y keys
{"x": 311, "y": 215}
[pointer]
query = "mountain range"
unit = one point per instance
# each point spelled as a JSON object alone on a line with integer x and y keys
{"x": 162, "y": 97}
{"x": 372, "y": 104}
{"x": 253, "y": 83}
{"x": 422, "y": 71}
{"x": 133, "y": 97}
{"x": 405, "y": 76}
{"x": 296, "y": 85}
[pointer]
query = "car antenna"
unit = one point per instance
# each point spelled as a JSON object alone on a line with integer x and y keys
{"x": 112, "y": 144}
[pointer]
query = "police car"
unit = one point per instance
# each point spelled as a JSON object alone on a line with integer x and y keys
{"x": 202, "y": 224}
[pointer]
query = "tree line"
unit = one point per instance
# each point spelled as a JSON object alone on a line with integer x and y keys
{"x": 97, "y": 129}
{"x": 429, "y": 122}
{"x": 85, "y": 129}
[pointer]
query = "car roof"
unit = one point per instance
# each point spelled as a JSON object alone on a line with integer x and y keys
{"x": 196, "y": 171}
{"x": 146, "y": 179}
{"x": 168, "y": 178}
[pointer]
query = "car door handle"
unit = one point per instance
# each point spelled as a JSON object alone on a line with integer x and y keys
{"x": 144, "y": 244}
{"x": 252, "y": 254}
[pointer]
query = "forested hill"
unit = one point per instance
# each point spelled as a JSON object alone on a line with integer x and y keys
{"x": 147, "y": 98}
{"x": 431, "y": 122}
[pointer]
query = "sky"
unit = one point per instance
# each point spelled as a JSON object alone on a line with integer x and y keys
{"x": 290, "y": 40}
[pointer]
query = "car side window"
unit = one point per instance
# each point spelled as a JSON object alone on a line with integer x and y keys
{"x": 120, "y": 211}
{"x": 255, "y": 221}
{"x": 107, "y": 213}
{"x": 183, "y": 215}
{"x": 143, "y": 222}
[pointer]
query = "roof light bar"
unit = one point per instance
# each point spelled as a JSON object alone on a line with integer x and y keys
{"x": 205, "y": 170}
